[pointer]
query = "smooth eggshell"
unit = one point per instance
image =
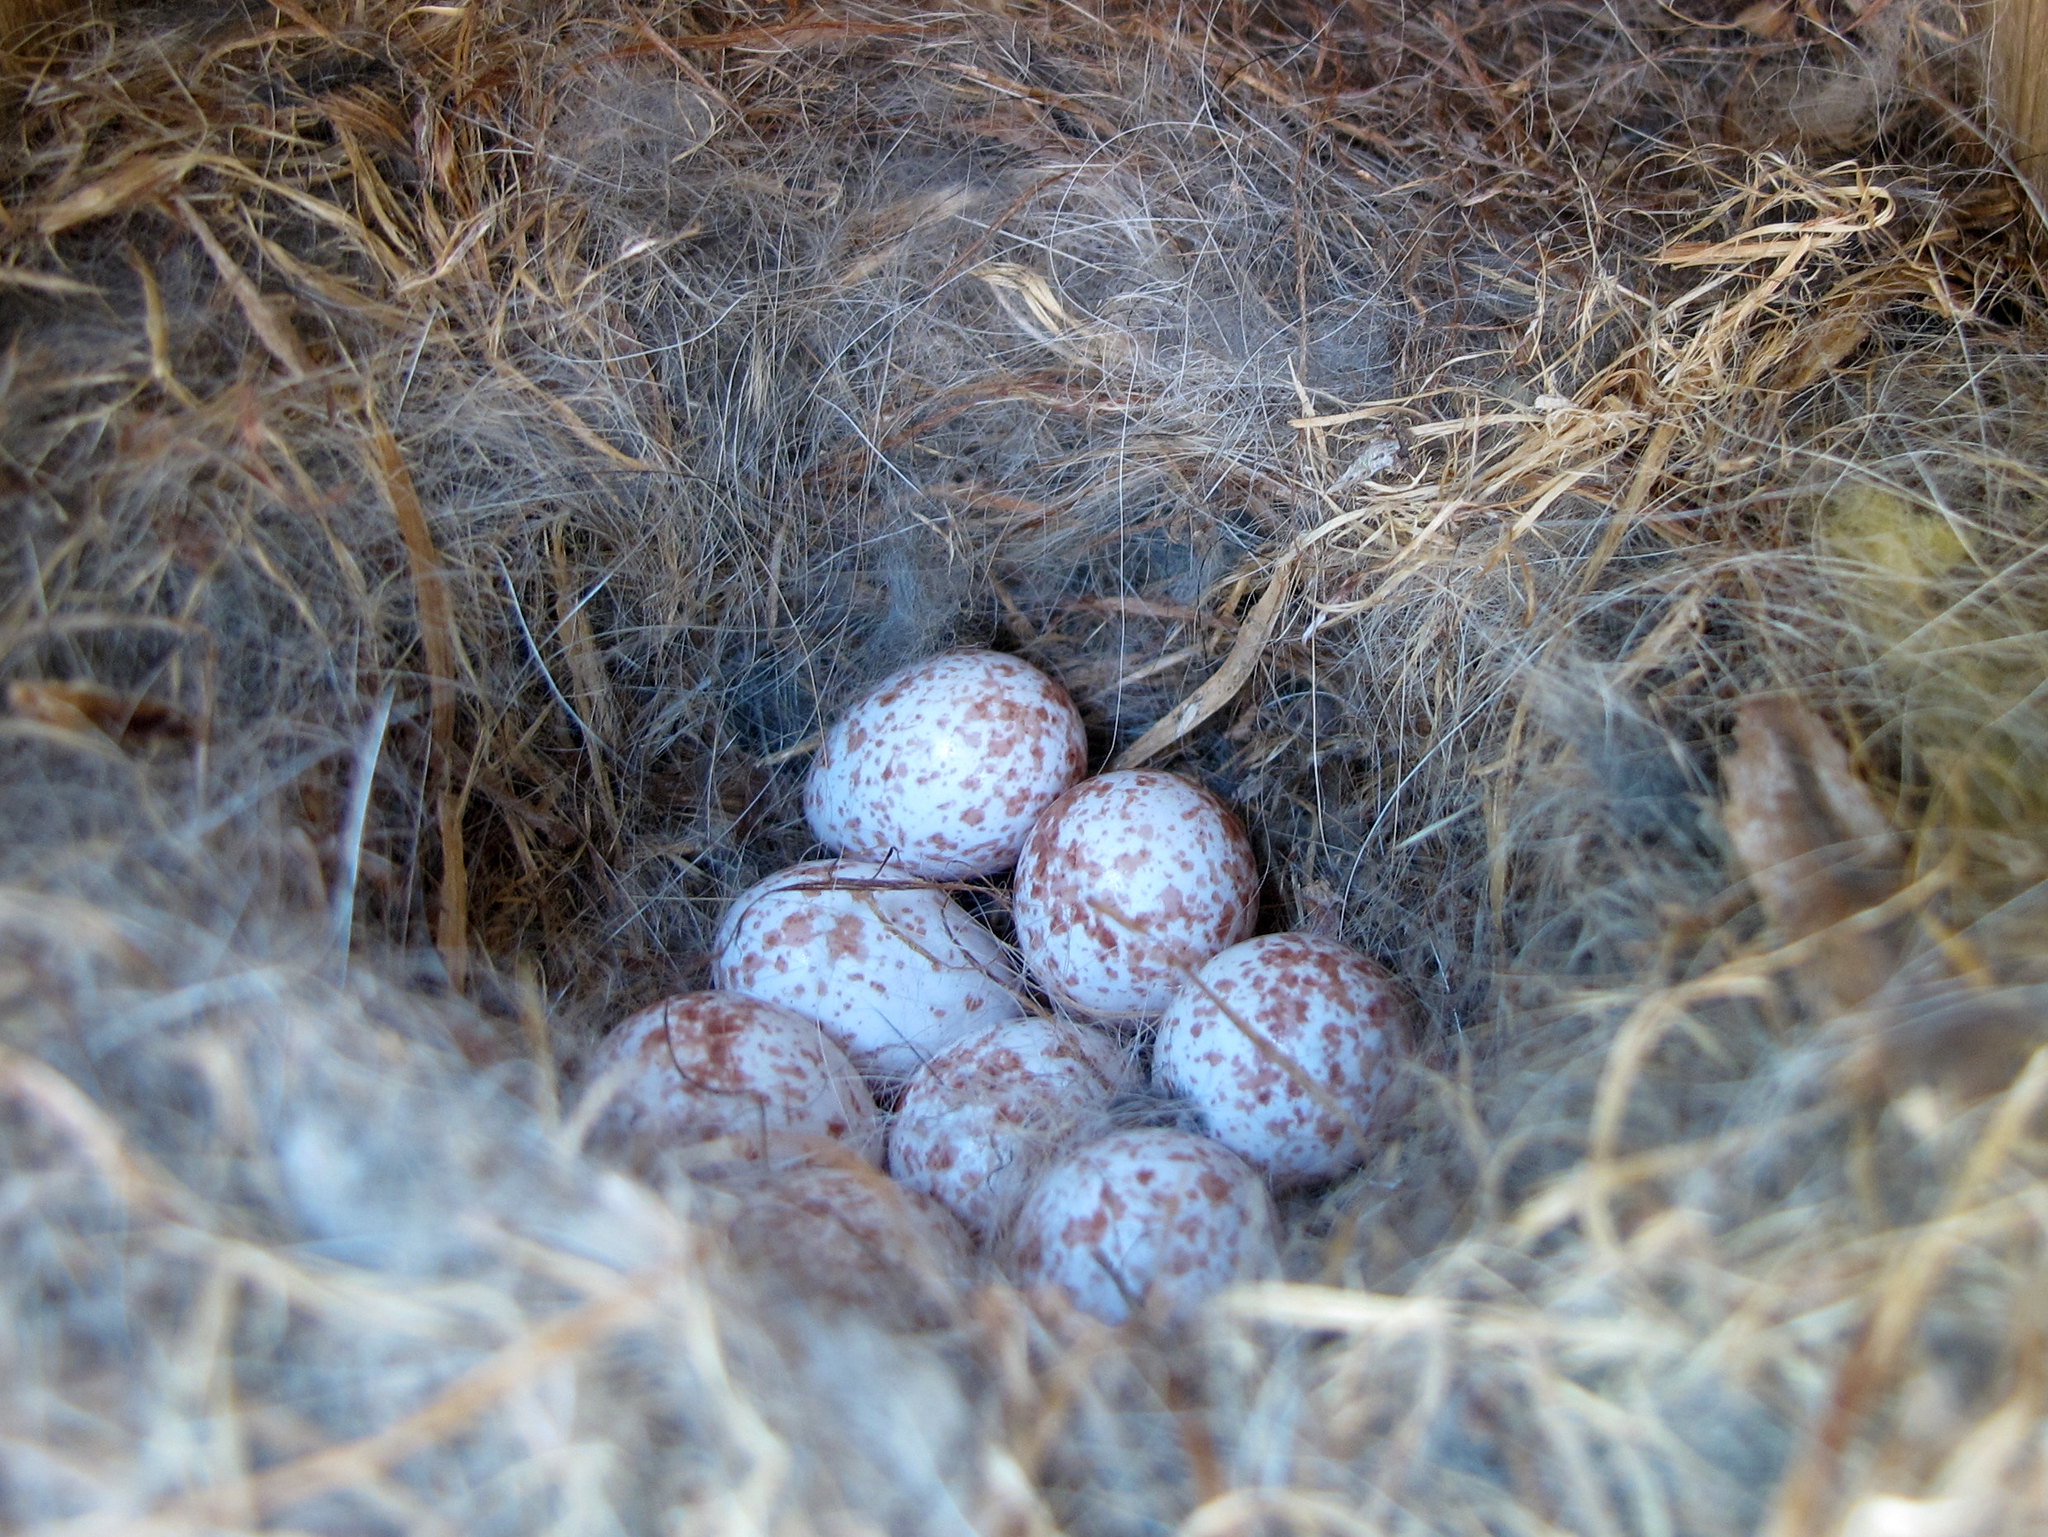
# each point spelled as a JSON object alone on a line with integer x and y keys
{"x": 1287, "y": 1045}
{"x": 894, "y": 969}
{"x": 700, "y": 1066}
{"x": 945, "y": 766}
{"x": 1128, "y": 883}
{"x": 987, "y": 1112}
{"x": 851, "y": 1237}
{"x": 1158, "y": 1220}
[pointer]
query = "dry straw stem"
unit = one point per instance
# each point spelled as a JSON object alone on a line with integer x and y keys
{"x": 457, "y": 457}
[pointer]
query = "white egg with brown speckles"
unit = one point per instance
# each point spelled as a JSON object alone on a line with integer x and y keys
{"x": 946, "y": 764}
{"x": 1152, "y": 1221}
{"x": 705, "y": 1066}
{"x": 987, "y": 1113}
{"x": 1287, "y": 1045}
{"x": 1127, "y": 883}
{"x": 892, "y": 967}
{"x": 850, "y": 1237}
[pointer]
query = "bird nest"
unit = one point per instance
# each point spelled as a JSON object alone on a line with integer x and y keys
{"x": 1573, "y": 478}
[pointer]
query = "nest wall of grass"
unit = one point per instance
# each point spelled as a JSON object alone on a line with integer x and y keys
{"x": 457, "y": 457}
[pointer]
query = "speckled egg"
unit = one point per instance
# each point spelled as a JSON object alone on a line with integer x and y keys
{"x": 893, "y": 968}
{"x": 701, "y": 1066}
{"x": 1128, "y": 883}
{"x": 946, "y": 765}
{"x": 1152, "y": 1220}
{"x": 1286, "y": 1044}
{"x": 852, "y": 1238}
{"x": 984, "y": 1115}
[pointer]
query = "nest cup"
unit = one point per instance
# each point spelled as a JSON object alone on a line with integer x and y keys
{"x": 1580, "y": 510}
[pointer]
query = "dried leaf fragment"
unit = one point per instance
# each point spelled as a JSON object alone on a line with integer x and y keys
{"x": 1767, "y": 19}
{"x": 1823, "y": 859}
{"x": 82, "y": 706}
{"x": 1825, "y": 346}
{"x": 1817, "y": 849}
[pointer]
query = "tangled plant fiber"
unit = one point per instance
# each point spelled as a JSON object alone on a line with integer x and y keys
{"x": 1574, "y": 476}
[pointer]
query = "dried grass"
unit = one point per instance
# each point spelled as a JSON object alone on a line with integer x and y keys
{"x": 457, "y": 456}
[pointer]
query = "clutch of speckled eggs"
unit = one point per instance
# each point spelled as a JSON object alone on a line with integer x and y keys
{"x": 1100, "y": 1106}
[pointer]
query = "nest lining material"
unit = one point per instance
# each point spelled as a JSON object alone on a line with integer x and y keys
{"x": 457, "y": 457}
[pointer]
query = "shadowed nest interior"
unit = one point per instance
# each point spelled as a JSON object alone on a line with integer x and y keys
{"x": 1542, "y": 462}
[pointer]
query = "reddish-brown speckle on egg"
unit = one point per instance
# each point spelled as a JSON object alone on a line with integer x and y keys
{"x": 988, "y": 1112}
{"x": 945, "y": 766}
{"x": 1145, "y": 1219}
{"x": 1286, "y": 1044}
{"x": 701, "y": 1066}
{"x": 892, "y": 967}
{"x": 1128, "y": 883}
